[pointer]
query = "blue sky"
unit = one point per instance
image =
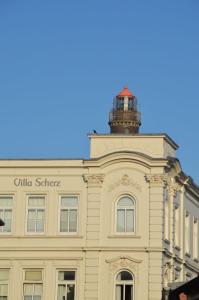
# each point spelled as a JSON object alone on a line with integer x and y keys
{"x": 63, "y": 61}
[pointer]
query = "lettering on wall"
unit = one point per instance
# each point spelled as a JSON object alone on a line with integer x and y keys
{"x": 37, "y": 182}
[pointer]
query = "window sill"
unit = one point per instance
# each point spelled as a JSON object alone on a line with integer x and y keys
{"x": 127, "y": 236}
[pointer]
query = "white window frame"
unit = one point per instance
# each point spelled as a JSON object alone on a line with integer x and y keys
{"x": 33, "y": 282}
{"x": 124, "y": 282}
{"x": 6, "y": 282}
{"x": 35, "y": 208}
{"x": 66, "y": 282}
{"x": 65, "y": 208}
{"x": 4, "y": 208}
{"x": 132, "y": 207}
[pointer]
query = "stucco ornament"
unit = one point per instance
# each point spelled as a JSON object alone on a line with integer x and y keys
{"x": 167, "y": 272}
{"x": 125, "y": 181}
{"x": 172, "y": 187}
{"x": 123, "y": 262}
{"x": 156, "y": 179}
{"x": 94, "y": 178}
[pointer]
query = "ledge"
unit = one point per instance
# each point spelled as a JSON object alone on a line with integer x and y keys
{"x": 124, "y": 236}
{"x": 41, "y": 236}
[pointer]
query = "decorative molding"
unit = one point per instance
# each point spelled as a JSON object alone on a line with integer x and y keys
{"x": 125, "y": 181}
{"x": 172, "y": 187}
{"x": 156, "y": 179}
{"x": 94, "y": 179}
{"x": 123, "y": 262}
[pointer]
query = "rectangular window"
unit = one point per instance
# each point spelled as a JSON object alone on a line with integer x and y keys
{"x": 4, "y": 276}
{"x": 166, "y": 220}
{"x": 6, "y": 204}
{"x": 36, "y": 214}
{"x": 66, "y": 285}
{"x": 68, "y": 214}
{"x": 187, "y": 233}
{"x": 177, "y": 225}
{"x": 33, "y": 286}
{"x": 195, "y": 238}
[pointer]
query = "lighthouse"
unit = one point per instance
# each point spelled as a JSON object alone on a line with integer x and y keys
{"x": 124, "y": 117}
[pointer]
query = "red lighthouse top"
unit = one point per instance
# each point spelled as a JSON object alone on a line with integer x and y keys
{"x": 125, "y": 93}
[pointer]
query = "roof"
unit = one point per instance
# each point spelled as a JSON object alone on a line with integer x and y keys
{"x": 125, "y": 93}
{"x": 190, "y": 288}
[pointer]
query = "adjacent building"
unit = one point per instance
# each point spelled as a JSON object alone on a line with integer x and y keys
{"x": 121, "y": 225}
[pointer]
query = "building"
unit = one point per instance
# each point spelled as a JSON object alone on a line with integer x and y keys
{"x": 121, "y": 225}
{"x": 186, "y": 291}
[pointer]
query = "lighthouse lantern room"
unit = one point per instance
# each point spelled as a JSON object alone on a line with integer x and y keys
{"x": 124, "y": 117}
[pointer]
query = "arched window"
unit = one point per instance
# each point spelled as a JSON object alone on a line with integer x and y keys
{"x": 124, "y": 286}
{"x": 126, "y": 214}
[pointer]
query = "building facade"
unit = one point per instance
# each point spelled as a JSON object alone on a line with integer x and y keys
{"x": 120, "y": 225}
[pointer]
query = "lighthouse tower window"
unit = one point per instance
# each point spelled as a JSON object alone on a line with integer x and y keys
{"x": 120, "y": 104}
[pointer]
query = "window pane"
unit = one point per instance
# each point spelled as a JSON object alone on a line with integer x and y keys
{"x": 129, "y": 220}
{"x": 61, "y": 292}
{"x": 28, "y": 298}
{"x": 36, "y": 297}
{"x": 38, "y": 289}
{"x": 70, "y": 292}
{"x": 7, "y": 220}
{"x": 64, "y": 220}
{"x": 33, "y": 275}
{"x": 125, "y": 201}
{"x": 40, "y": 221}
{"x": 4, "y": 275}
{"x": 124, "y": 275}
{"x": 73, "y": 220}
{"x": 36, "y": 201}
{"x": 119, "y": 292}
{"x": 6, "y": 201}
{"x": 128, "y": 292}
{"x": 69, "y": 201}
{"x": 3, "y": 290}
{"x": 31, "y": 220}
{"x": 66, "y": 275}
{"x": 120, "y": 220}
{"x": 28, "y": 289}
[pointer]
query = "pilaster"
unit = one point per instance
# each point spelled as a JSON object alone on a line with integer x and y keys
{"x": 94, "y": 183}
{"x": 157, "y": 183}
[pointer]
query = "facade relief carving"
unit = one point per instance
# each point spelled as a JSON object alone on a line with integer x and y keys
{"x": 93, "y": 179}
{"x": 172, "y": 187}
{"x": 156, "y": 179}
{"x": 125, "y": 181}
{"x": 123, "y": 262}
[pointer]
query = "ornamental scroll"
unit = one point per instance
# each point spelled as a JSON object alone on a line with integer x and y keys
{"x": 93, "y": 179}
{"x": 123, "y": 262}
{"x": 125, "y": 181}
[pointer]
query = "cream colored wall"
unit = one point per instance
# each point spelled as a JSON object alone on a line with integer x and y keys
{"x": 159, "y": 146}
